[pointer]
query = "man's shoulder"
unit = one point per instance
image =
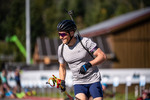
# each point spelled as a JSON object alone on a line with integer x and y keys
{"x": 60, "y": 45}
{"x": 85, "y": 39}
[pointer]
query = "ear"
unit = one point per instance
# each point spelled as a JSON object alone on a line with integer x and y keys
{"x": 72, "y": 33}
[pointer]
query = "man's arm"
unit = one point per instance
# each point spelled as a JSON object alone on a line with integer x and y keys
{"x": 100, "y": 57}
{"x": 62, "y": 75}
{"x": 62, "y": 71}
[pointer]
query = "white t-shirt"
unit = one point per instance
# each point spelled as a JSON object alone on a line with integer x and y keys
{"x": 76, "y": 56}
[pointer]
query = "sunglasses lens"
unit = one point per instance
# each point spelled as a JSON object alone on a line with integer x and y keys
{"x": 62, "y": 34}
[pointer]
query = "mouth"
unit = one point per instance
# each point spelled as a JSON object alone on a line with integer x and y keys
{"x": 64, "y": 40}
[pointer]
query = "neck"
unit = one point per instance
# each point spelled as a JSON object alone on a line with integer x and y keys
{"x": 72, "y": 42}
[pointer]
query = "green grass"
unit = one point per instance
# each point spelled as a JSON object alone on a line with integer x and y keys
{"x": 118, "y": 96}
{"x": 121, "y": 96}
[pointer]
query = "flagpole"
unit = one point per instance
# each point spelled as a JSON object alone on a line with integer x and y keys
{"x": 28, "y": 54}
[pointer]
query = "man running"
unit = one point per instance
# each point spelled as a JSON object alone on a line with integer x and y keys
{"x": 74, "y": 51}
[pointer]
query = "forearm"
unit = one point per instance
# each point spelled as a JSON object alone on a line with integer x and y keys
{"x": 100, "y": 57}
{"x": 62, "y": 71}
{"x": 97, "y": 61}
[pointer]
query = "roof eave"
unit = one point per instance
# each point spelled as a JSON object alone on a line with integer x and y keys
{"x": 117, "y": 27}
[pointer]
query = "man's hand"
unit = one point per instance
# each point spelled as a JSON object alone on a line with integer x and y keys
{"x": 84, "y": 68}
{"x": 63, "y": 86}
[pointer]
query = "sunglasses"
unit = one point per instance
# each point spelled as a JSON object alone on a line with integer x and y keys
{"x": 62, "y": 34}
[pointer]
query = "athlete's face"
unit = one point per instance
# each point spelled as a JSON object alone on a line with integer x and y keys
{"x": 64, "y": 36}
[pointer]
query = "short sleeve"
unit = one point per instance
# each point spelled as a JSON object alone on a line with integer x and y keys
{"x": 60, "y": 56}
{"x": 90, "y": 45}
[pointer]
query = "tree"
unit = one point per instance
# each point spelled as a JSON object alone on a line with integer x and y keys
{"x": 46, "y": 14}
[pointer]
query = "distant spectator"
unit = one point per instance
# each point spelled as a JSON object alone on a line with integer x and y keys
{"x": 17, "y": 79}
{"x": 145, "y": 95}
{"x": 5, "y": 88}
{"x": 104, "y": 86}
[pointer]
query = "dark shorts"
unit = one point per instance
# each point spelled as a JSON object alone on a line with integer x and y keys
{"x": 94, "y": 89}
